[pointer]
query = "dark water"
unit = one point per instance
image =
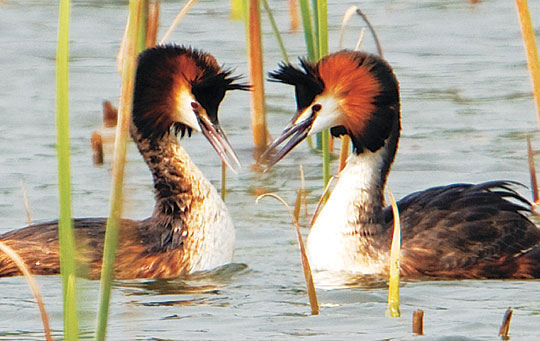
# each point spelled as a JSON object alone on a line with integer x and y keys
{"x": 467, "y": 109}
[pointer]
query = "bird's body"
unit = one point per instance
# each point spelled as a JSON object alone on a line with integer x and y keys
{"x": 455, "y": 231}
{"x": 177, "y": 90}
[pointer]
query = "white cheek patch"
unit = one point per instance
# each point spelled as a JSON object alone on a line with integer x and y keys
{"x": 330, "y": 114}
{"x": 184, "y": 111}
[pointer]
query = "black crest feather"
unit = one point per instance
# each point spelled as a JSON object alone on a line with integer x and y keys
{"x": 306, "y": 81}
{"x": 210, "y": 90}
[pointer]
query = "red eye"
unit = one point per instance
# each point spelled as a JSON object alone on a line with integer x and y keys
{"x": 195, "y": 105}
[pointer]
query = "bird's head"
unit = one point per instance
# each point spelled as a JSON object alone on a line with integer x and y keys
{"x": 178, "y": 90}
{"x": 351, "y": 93}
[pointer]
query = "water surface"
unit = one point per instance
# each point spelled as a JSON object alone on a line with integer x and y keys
{"x": 466, "y": 106}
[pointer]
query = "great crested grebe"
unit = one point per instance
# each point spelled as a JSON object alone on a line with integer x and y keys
{"x": 177, "y": 90}
{"x": 455, "y": 231}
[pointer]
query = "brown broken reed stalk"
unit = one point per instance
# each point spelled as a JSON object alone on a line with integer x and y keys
{"x": 98, "y": 156}
{"x": 32, "y": 284}
{"x": 223, "y": 180}
{"x": 418, "y": 322}
{"x": 312, "y": 294}
{"x": 505, "y": 326}
{"x": 100, "y": 136}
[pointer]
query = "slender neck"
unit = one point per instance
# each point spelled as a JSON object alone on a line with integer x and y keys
{"x": 175, "y": 176}
{"x": 361, "y": 185}
{"x": 189, "y": 219}
{"x": 366, "y": 174}
{"x": 347, "y": 234}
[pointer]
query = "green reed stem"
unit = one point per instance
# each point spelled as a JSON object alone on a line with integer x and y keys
{"x": 237, "y": 9}
{"x": 317, "y": 47}
{"x": 143, "y": 25}
{"x": 65, "y": 224}
{"x": 307, "y": 24}
{"x": 322, "y": 35}
{"x": 276, "y": 31}
{"x": 322, "y": 27}
{"x": 315, "y": 4}
{"x": 122, "y": 133}
{"x": 308, "y": 28}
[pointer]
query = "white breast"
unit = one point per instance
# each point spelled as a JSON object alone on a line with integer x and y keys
{"x": 217, "y": 245}
{"x": 333, "y": 243}
{"x": 211, "y": 228}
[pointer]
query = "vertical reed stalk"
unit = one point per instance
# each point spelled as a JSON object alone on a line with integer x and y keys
{"x": 530, "y": 47}
{"x": 322, "y": 27}
{"x": 293, "y": 14}
{"x": 344, "y": 152}
{"x": 122, "y": 132}
{"x": 316, "y": 57}
{"x": 276, "y": 31}
{"x": 65, "y": 224}
{"x": 532, "y": 171}
{"x": 309, "y": 38}
{"x": 237, "y": 9}
{"x": 325, "y": 139}
{"x": 300, "y": 196}
{"x": 308, "y": 28}
{"x": 152, "y": 25}
{"x": 143, "y": 25}
{"x": 223, "y": 180}
{"x": 258, "y": 121}
{"x": 505, "y": 326}
{"x": 321, "y": 10}
{"x": 393, "y": 283}
{"x": 315, "y": 6}
{"x": 418, "y": 322}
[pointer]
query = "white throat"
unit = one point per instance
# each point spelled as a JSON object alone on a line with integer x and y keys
{"x": 335, "y": 242}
